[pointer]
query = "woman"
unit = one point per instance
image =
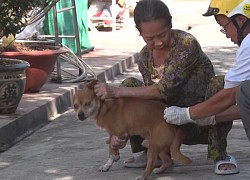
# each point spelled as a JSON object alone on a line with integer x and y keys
{"x": 174, "y": 69}
{"x": 234, "y": 17}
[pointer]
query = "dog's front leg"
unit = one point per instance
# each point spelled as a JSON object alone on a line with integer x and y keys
{"x": 113, "y": 157}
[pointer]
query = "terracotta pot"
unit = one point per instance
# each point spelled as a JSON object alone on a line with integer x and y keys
{"x": 41, "y": 66}
{"x": 12, "y": 82}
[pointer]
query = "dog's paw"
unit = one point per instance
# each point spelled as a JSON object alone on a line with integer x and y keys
{"x": 145, "y": 143}
{"x": 157, "y": 170}
{"x": 140, "y": 178}
{"x": 186, "y": 161}
{"x": 107, "y": 165}
{"x": 162, "y": 168}
{"x": 104, "y": 168}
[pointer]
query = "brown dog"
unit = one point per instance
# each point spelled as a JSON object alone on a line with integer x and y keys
{"x": 124, "y": 117}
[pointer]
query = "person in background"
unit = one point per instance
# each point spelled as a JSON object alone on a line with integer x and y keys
{"x": 233, "y": 101}
{"x": 104, "y": 8}
{"x": 175, "y": 70}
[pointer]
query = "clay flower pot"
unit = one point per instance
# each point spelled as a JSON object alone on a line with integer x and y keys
{"x": 41, "y": 65}
{"x": 12, "y": 83}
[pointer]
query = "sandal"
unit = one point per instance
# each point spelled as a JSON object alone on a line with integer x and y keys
{"x": 228, "y": 160}
{"x": 139, "y": 161}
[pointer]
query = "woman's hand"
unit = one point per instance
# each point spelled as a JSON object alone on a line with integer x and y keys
{"x": 104, "y": 91}
{"x": 116, "y": 142}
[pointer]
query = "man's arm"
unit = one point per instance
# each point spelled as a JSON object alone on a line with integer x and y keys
{"x": 218, "y": 103}
{"x": 219, "y": 108}
{"x": 231, "y": 113}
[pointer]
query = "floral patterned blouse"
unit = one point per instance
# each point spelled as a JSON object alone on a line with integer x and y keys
{"x": 183, "y": 78}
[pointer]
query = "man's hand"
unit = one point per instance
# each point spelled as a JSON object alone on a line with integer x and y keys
{"x": 179, "y": 116}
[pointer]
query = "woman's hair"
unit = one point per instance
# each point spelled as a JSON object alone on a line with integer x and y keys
{"x": 148, "y": 10}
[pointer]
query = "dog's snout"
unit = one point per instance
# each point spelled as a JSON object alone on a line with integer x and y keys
{"x": 81, "y": 116}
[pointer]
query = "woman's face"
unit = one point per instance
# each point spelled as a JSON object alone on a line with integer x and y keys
{"x": 228, "y": 27}
{"x": 156, "y": 34}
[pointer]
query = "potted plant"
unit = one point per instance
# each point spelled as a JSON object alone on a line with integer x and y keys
{"x": 12, "y": 82}
{"x": 14, "y": 17}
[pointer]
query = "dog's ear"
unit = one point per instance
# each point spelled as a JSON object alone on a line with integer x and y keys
{"x": 91, "y": 84}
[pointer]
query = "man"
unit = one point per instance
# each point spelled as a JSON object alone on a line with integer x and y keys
{"x": 232, "y": 102}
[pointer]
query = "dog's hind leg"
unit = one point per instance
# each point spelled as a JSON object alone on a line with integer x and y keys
{"x": 166, "y": 162}
{"x": 175, "y": 148}
{"x": 151, "y": 160}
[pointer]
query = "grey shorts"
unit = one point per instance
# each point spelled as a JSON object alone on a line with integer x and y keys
{"x": 243, "y": 103}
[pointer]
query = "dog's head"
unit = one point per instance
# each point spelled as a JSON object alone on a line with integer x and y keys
{"x": 85, "y": 101}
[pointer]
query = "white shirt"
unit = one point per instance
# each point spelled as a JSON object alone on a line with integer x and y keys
{"x": 240, "y": 71}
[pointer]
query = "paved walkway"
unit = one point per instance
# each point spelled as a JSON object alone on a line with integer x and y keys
{"x": 66, "y": 149}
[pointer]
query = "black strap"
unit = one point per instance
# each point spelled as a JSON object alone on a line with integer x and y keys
{"x": 240, "y": 30}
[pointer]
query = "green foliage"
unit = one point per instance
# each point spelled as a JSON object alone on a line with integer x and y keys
{"x": 14, "y": 14}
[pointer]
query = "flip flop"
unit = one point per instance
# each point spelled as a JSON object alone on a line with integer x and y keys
{"x": 227, "y": 160}
{"x": 139, "y": 161}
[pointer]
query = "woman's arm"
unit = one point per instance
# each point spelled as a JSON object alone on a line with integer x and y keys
{"x": 104, "y": 91}
{"x": 149, "y": 91}
{"x": 146, "y": 92}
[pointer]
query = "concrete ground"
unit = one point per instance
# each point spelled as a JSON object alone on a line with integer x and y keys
{"x": 49, "y": 142}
